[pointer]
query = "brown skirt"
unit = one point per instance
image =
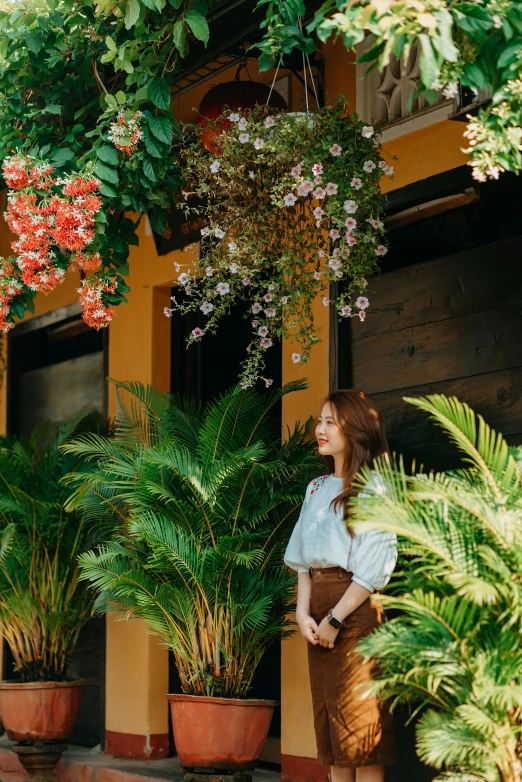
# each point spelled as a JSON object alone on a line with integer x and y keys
{"x": 351, "y": 731}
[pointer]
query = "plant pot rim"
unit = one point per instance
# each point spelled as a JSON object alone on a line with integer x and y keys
{"x": 232, "y": 701}
{"x": 15, "y": 685}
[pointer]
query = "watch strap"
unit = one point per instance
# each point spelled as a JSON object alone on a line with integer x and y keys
{"x": 333, "y": 621}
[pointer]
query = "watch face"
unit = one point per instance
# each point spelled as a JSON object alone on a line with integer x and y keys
{"x": 334, "y": 622}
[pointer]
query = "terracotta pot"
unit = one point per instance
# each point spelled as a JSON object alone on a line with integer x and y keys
{"x": 44, "y": 711}
{"x": 220, "y": 733}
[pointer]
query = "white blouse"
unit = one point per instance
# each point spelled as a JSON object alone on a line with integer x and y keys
{"x": 321, "y": 539}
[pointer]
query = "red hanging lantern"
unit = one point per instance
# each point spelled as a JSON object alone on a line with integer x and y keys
{"x": 235, "y": 95}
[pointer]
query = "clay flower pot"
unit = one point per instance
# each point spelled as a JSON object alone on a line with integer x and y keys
{"x": 219, "y": 733}
{"x": 39, "y": 711}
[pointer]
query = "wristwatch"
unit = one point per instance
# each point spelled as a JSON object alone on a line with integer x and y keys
{"x": 332, "y": 620}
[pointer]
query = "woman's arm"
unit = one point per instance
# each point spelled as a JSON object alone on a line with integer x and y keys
{"x": 307, "y": 625}
{"x": 354, "y": 596}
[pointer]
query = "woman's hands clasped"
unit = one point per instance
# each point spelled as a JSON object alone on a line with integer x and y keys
{"x": 308, "y": 627}
{"x": 323, "y": 635}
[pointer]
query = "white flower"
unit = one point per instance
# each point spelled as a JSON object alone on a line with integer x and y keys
{"x": 362, "y": 315}
{"x": 246, "y": 280}
{"x": 262, "y": 331}
{"x": 223, "y": 288}
{"x": 177, "y": 267}
{"x": 334, "y": 263}
{"x": 268, "y": 383}
{"x": 259, "y": 143}
{"x": 167, "y": 312}
{"x": 269, "y": 122}
{"x": 296, "y": 171}
{"x": 368, "y": 166}
{"x": 339, "y": 274}
{"x": 350, "y": 223}
{"x": 268, "y": 297}
{"x": 336, "y": 150}
{"x": 367, "y": 131}
{"x": 270, "y": 312}
{"x": 205, "y": 231}
{"x": 251, "y": 175}
{"x": 232, "y": 246}
{"x": 321, "y": 253}
{"x": 271, "y": 287}
{"x": 381, "y": 250}
{"x": 356, "y": 183}
{"x": 209, "y": 271}
{"x": 451, "y": 90}
{"x": 319, "y": 193}
{"x": 256, "y": 307}
{"x": 206, "y": 307}
{"x": 318, "y": 180}
{"x": 233, "y": 268}
{"x": 266, "y": 342}
{"x": 197, "y": 333}
{"x": 350, "y": 207}
{"x": 326, "y": 301}
{"x": 334, "y": 234}
{"x": 317, "y": 169}
{"x": 242, "y": 124}
{"x": 331, "y": 188}
{"x": 284, "y": 299}
{"x": 362, "y": 302}
{"x": 375, "y": 223}
{"x": 244, "y": 137}
{"x": 336, "y": 251}
{"x": 233, "y": 117}
{"x": 497, "y": 21}
{"x": 363, "y": 282}
{"x": 219, "y": 233}
{"x": 289, "y": 199}
{"x": 215, "y": 166}
{"x": 244, "y": 385}
{"x": 183, "y": 278}
{"x": 346, "y": 311}
{"x": 318, "y": 212}
{"x": 296, "y": 358}
{"x": 388, "y": 170}
{"x": 317, "y": 275}
{"x": 304, "y": 188}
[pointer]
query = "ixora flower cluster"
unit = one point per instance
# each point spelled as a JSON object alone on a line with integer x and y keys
{"x": 292, "y": 204}
{"x": 126, "y": 133}
{"x": 54, "y": 219}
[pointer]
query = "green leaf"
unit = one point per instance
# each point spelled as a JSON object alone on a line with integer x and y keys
{"x": 158, "y": 221}
{"x": 149, "y": 170}
{"x": 111, "y": 101}
{"x": 443, "y": 43}
{"x": 153, "y": 146}
{"x": 198, "y": 24}
{"x": 107, "y": 191}
{"x": 110, "y": 44}
{"x": 121, "y": 97}
{"x": 52, "y": 108}
{"x": 108, "y": 154}
{"x": 429, "y": 67}
{"x": 34, "y": 41}
{"x": 106, "y": 173}
{"x": 159, "y": 93}
{"x": 62, "y": 156}
{"x": 509, "y": 54}
{"x": 179, "y": 37}
{"x": 475, "y": 77}
{"x": 161, "y": 127}
{"x": 132, "y": 13}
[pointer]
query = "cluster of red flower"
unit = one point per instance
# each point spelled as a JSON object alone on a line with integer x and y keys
{"x": 124, "y": 133}
{"x": 95, "y": 311}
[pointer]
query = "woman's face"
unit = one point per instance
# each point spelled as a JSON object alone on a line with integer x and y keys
{"x": 329, "y": 437}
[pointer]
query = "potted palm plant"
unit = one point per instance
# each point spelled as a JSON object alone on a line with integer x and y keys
{"x": 454, "y": 649}
{"x": 210, "y": 496}
{"x": 43, "y": 604}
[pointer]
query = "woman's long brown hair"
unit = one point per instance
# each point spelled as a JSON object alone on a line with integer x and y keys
{"x": 363, "y": 430}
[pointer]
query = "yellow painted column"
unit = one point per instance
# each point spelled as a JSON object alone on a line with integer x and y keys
{"x": 298, "y": 747}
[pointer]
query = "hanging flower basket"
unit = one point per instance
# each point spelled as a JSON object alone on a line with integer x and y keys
{"x": 292, "y": 203}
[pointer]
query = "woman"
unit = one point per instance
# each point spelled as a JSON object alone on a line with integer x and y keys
{"x": 338, "y": 572}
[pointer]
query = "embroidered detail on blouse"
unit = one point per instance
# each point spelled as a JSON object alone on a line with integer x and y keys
{"x": 317, "y": 483}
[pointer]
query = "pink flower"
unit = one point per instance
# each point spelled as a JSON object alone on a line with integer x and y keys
{"x": 350, "y": 223}
{"x": 350, "y": 239}
{"x": 242, "y": 124}
{"x": 243, "y": 137}
{"x": 268, "y": 297}
{"x": 284, "y": 300}
{"x": 223, "y": 288}
{"x": 318, "y": 212}
{"x": 363, "y": 282}
{"x": 336, "y": 150}
{"x": 259, "y": 143}
{"x": 336, "y": 251}
{"x": 381, "y": 250}
{"x": 206, "y": 307}
{"x": 338, "y": 274}
{"x": 326, "y": 301}
{"x": 334, "y": 263}
{"x": 305, "y": 187}
{"x": 350, "y": 206}
{"x": 266, "y": 342}
{"x": 356, "y": 183}
{"x": 268, "y": 383}
{"x": 245, "y": 385}
{"x": 375, "y": 223}
{"x": 334, "y": 234}
{"x": 256, "y": 307}
{"x": 197, "y": 333}
{"x": 319, "y": 192}
{"x": 234, "y": 268}
{"x": 270, "y": 312}
{"x": 368, "y": 166}
{"x": 209, "y": 271}
{"x": 388, "y": 170}
{"x": 255, "y": 324}
{"x": 318, "y": 179}
{"x": 233, "y": 117}
{"x": 289, "y": 199}
{"x": 362, "y": 302}
{"x": 296, "y": 171}
{"x": 346, "y": 311}
{"x": 246, "y": 280}
{"x": 262, "y": 331}
{"x": 317, "y": 169}
{"x": 362, "y": 315}
{"x": 167, "y": 312}
{"x": 269, "y": 122}
{"x": 296, "y": 358}
{"x": 317, "y": 275}
{"x": 183, "y": 278}
{"x": 321, "y": 253}
{"x": 331, "y": 188}
{"x": 177, "y": 267}
{"x": 367, "y": 131}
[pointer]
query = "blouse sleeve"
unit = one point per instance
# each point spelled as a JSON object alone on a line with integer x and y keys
{"x": 293, "y": 550}
{"x": 373, "y": 563}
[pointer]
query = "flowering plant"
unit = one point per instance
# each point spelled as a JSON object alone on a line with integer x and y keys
{"x": 292, "y": 203}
